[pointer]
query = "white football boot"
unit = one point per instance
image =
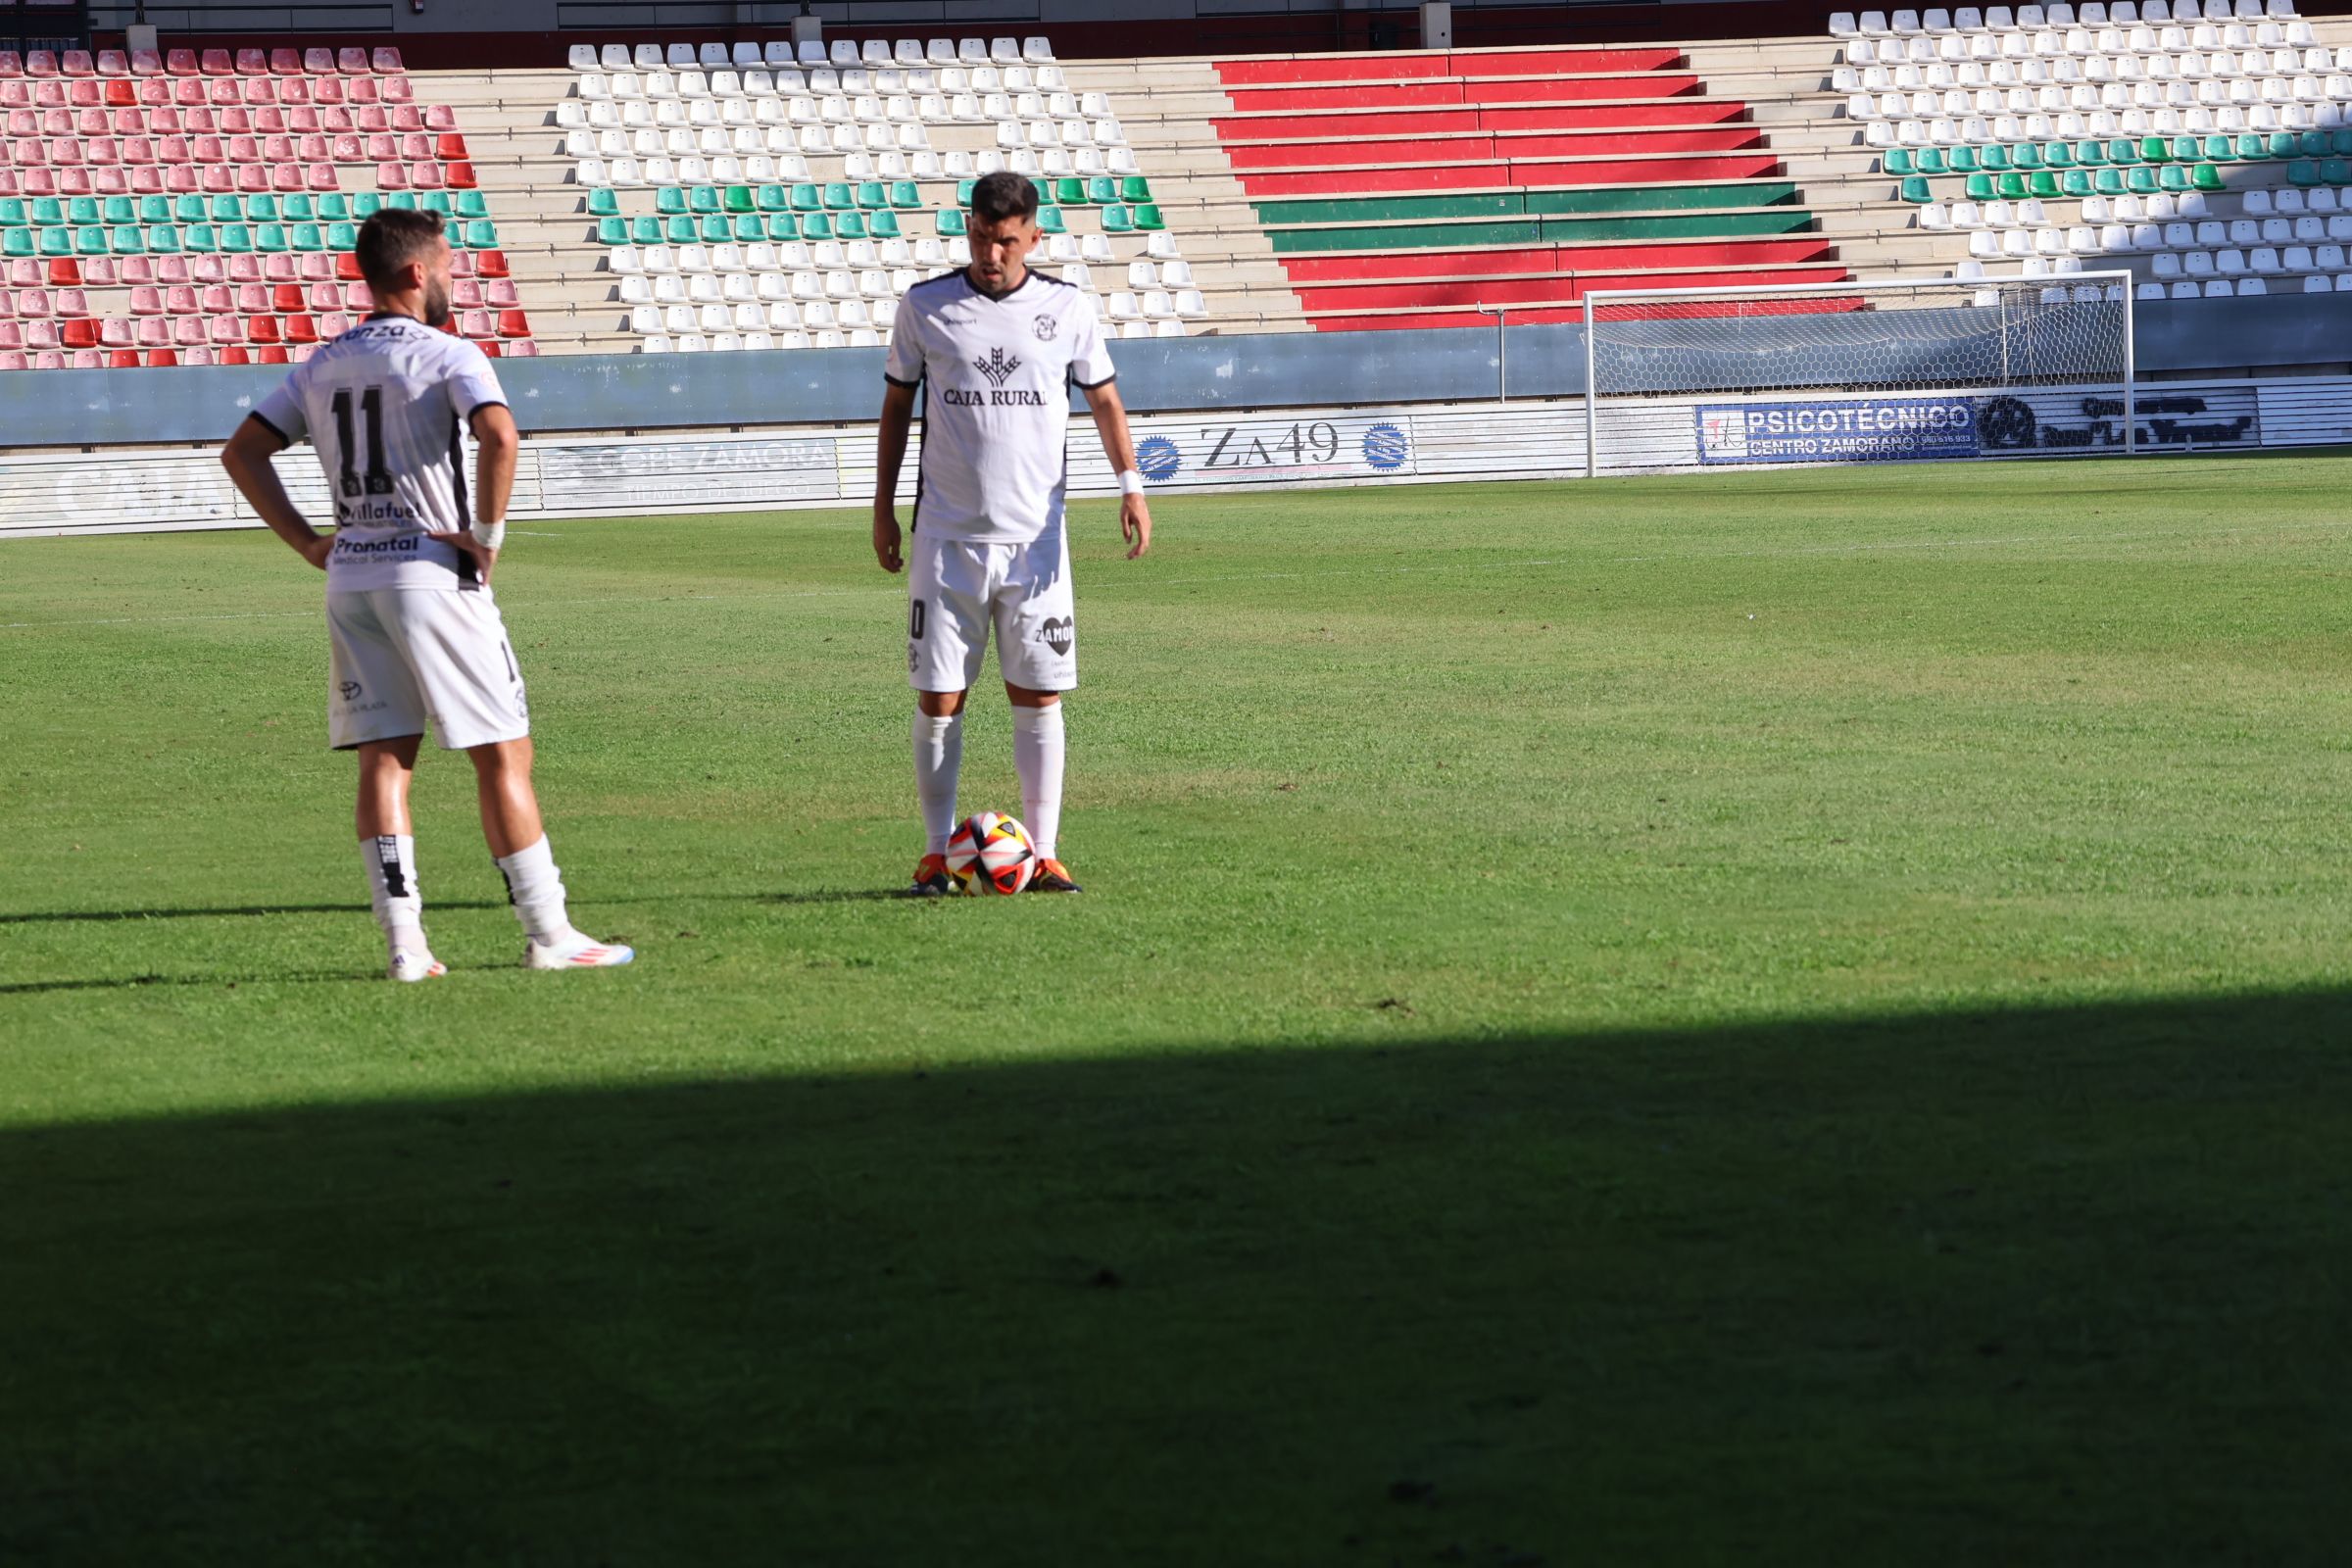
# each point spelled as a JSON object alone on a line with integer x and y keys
{"x": 576, "y": 951}
{"x": 412, "y": 961}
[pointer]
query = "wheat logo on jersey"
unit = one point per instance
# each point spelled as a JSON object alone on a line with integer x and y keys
{"x": 999, "y": 367}
{"x": 1058, "y": 634}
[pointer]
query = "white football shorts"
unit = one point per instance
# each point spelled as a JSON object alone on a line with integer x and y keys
{"x": 406, "y": 660}
{"x": 956, "y": 591}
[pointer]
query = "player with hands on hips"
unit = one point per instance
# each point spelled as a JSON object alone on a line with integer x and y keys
{"x": 994, "y": 349}
{"x": 414, "y": 637}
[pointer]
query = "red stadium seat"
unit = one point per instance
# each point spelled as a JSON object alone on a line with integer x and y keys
{"x": 285, "y": 299}
{"x": 461, "y": 176}
{"x": 317, "y": 62}
{"x": 123, "y": 359}
{"x": 286, "y": 61}
{"x": 440, "y": 117}
{"x": 296, "y": 90}
{"x": 347, "y": 266}
{"x": 79, "y": 334}
{"x": 264, "y": 330}
{"x": 155, "y": 333}
{"x": 391, "y": 176}
{"x": 491, "y": 349}
{"x": 362, "y": 90}
{"x": 478, "y": 323}
{"x": 41, "y": 335}
{"x": 383, "y": 149}
{"x": 72, "y": 302}
{"x": 253, "y": 62}
{"x": 301, "y": 329}
{"x": 11, "y": 360}
{"x": 513, "y": 323}
{"x": 228, "y": 330}
{"x": 396, "y": 90}
{"x": 450, "y": 148}
{"x": 353, "y": 62}
{"x": 498, "y": 294}
{"x": 146, "y": 301}
{"x": 370, "y": 119}
{"x": 160, "y": 359}
{"x": 113, "y": 63}
{"x": 217, "y": 62}
{"x": 146, "y": 63}
{"x": 348, "y": 149}
{"x": 76, "y": 63}
{"x": 86, "y": 359}
{"x": 116, "y": 331}
{"x": 12, "y": 64}
{"x": 231, "y": 354}
{"x": 276, "y": 354}
{"x": 260, "y": 89}
{"x": 387, "y": 63}
{"x": 325, "y": 90}
{"x": 122, "y": 91}
{"x": 41, "y": 63}
{"x": 426, "y": 176}
{"x": 405, "y": 120}
{"x": 333, "y": 325}
{"x": 490, "y": 264}
{"x": 197, "y": 355}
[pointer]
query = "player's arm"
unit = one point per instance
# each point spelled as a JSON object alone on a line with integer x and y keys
{"x": 1118, "y": 445}
{"x": 890, "y": 454}
{"x": 247, "y": 458}
{"x": 497, "y": 445}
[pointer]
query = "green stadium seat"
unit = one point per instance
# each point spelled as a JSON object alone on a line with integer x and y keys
{"x": 19, "y": 243}
{"x": 155, "y": 210}
{"x": 645, "y": 230}
{"x": 2058, "y": 155}
{"x": 188, "y": 210}
{"x": 1044, "y": 189}
{"x": 1069, "y": 191}
{"x": 428, "y": 200}
{"x": 1898, "y": 161}
{"x": 82, "y": 210}
{"x": 2014, "y": 187}
{"x": 1135, "y": 188}
{"x": 2303, "y": 172}
{"x": 1049, "y": 222}
{"x": 234, "y": 238}
{"x": 2185, "y": 150}
{"x": 612, "y": 231}
{"x": 57, "y": 242}
{"x": 1995, "y": 158}
{"x": 2143, "y": 181}
{"x": 604, "y": 202}
{"x": 163, "y": 240}
{"x": 12, "y": 212}
{"x": 2218, "y": 149}
{"x": 1930, "y": 160}
{"x": 850, "y": 224}
{"x": 816, "y": 225}
{"x": 870, "y": 194}
{"x": 963, "y": 192}
{"x": 120, "y": 209}
{"x": 297, "y": 208}
{"x": 269, "y": 239}
{"x": 950, "y": 221}
{"x": 701, "y": 201}
{"x": 783, "y": 228}
{"x": 333, "y": 208}
{"x": 48, "y": 211}
{"x": 1102, "y": 191}
{"x": 808, "y": 198}
{"x": 749, "y": 228}
{"x": 201, "y": 239}
{"x": 2123, "y": 152}
{"x": 2339, "y": 142}
{"x": 1117, "y": 220}
{"x": 715, "y": 230}
{"x": 127, "y": 240}
{"x": 2312, "y": 144}
{"x": 1981, "y": 189}
{"x": 2043, "y": 183}
{"x": 88, "y": 241}
{"x": 1962, "y": 160}
{"x": 678, "y": 229}
{"x": 2336, "y": 170}
{"x": 261, "y": 208}
{"x": 2155, "y": 150}
{"x": 481, "y": 234}
{"x": 670, "y": 201}
{"x": 2206, "y": 177}
{"x": 883, "y": 224}
{"x": 345, "y": 236}
{"x": 1916, "y": 190}
{"x": 771, "y": 199}
{"x": 838, "y": 197}
{"x": 366, "y": 204}
{"x": 2078, "y": 183}
{"x": 2106, "y": 182}
{"x": 2251, "y": 147}
{"x": 2026, "y": 154}
{"x": 404, "y": 200}
{"x": 905, "y": 196}
{"x": 306, "y": 237}
{"x": 739, "y": 199}
{"x": 2284, "y": 144}
{"x": 1148, "y": 219}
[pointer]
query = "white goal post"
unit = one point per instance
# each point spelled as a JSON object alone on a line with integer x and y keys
{"x": 1858, "y": 371}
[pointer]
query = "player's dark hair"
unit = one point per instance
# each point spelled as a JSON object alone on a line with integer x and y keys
{"x": 1002, "y": 195}
{"x": 392, "y": 238}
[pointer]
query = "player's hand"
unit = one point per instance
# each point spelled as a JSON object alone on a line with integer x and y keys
{"x": 465, "y": 543}
{"x": 317, "y": 549}
{"x": 1135, "y": 524}
{"x": 886, "y": 539}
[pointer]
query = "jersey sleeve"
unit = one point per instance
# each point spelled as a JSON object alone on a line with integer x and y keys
{"x": 473, "y": 384}
{"x": 1090, "y": 356}
{"x": 905, "y": 365}
{"x": 281, "y": 409}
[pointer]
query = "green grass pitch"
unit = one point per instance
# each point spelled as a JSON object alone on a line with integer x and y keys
{"x": 1791, "y": 1017}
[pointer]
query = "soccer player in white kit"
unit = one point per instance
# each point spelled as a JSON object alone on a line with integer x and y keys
{"x": 415, "y": 635}
{"x": 997, "y": 346}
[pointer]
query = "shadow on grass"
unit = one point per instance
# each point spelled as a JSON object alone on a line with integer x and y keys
{"x": 2058, "y": 1286}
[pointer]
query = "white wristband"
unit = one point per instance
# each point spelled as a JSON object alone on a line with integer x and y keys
{"x": 490, "y": 535}
{"x": 1131, "y": 483}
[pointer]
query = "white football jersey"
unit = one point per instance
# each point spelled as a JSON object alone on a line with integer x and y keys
{"x": 997, "y": 372}
{"x": 385, "y": 407}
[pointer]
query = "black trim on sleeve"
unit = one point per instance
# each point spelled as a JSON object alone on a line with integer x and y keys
{"x": 894, "y": 381}
{"x": 283, "y": 440}
{"x": 1089, "y": 386}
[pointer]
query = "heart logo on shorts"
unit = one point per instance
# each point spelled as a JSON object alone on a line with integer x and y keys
{"x": 1059, "y": 635}
{"x": 350, "y": 690}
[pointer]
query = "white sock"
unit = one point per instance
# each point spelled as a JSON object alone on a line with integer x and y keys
{"x": 391, "y": 862}
{"x": 536, "y": 890}
{"x": 1037, "y": 756}
{"x": 938, "y": 759}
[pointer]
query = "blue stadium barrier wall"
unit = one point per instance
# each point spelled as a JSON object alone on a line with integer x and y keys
{"x": 1277, "y": 371}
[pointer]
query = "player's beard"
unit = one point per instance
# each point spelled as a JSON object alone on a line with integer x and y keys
{"x": 436, "y": 303}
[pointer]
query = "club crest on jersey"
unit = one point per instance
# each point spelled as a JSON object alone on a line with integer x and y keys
{"x": 1044, "y": 326}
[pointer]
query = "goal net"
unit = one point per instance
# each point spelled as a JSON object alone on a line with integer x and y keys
{"x": 1858, "y": 371}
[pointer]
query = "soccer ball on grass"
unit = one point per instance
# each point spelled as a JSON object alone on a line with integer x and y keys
{"x": 990, "y": 852}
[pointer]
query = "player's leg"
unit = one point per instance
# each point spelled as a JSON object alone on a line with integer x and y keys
{"x": 517, "y": 840}
{"x": 946, "y": 634}
{"x": 457, "y": 645}
{"x": 1037, "y": 647}
{"x": 375, "y": 708}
